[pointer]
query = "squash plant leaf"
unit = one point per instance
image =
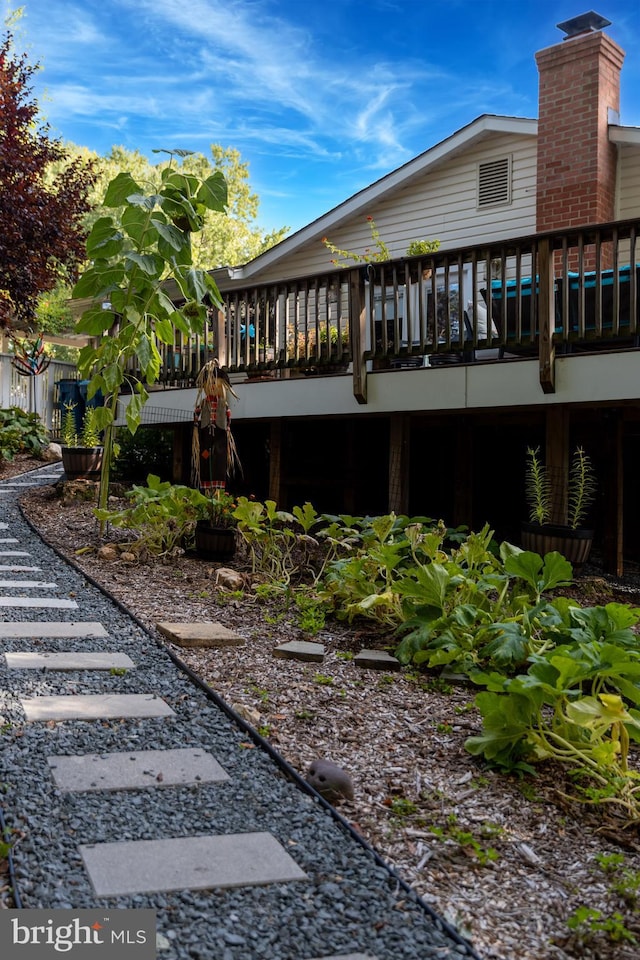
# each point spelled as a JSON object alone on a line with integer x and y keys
{"x": 509, "y": 645}
{"x": 539, "y": 574}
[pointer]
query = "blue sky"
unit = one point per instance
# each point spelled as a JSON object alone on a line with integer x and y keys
{"x": 321, "y": 97}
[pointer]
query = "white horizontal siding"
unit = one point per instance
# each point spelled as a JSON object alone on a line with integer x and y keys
{"x": 628, "y": 200}
{"x": 441, "y": 205}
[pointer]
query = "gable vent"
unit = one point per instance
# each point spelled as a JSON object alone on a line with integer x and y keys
{"x": 494, "y": 182}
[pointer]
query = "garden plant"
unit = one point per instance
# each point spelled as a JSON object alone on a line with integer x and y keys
{"x": 558, "y": 681}
{"x": 133, "y": 254}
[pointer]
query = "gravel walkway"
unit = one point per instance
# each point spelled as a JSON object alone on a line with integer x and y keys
{"x": 290, "y": 880}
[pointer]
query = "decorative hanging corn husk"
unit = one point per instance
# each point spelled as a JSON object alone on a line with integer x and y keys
{"x": 212, "y": 412}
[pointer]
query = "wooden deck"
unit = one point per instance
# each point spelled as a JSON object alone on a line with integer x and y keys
{"x": 571, "y": 291}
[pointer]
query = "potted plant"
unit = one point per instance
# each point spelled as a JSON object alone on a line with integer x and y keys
{"x": 215, "y": 532}
{"x": 540, "y": 534}
{"x": 81, "y": 450}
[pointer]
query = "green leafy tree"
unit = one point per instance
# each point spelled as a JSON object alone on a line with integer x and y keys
{"x": 41, "y": 217}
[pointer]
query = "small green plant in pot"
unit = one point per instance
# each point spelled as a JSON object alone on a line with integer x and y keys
{"x": 540, "y": 534}
{"x": 81, "y": 450}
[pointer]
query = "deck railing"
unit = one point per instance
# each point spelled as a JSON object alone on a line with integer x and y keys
{"x": 569, "y": 290}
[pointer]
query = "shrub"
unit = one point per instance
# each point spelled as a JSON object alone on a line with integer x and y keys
{"x": 21, "y": 432}
{"x": 149, "y": 450}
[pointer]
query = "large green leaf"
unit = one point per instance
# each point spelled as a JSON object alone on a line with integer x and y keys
{"x": 509, "y": 645}
{"x": 97, "y": 281}
{"x": 175, "y": 239}
{"x": 163, "y": 329}
{"x": 431, "y": 585}
{"x": 137, "y": 225}
{"x": 192, "y": 283}
{"x": 94, "y": 321}
{"x": 539, "y": 574}
{"x": 151, "y": 264}
{"x": 147, "y": 203}
{"x": 121, "y": 187}
{"x": 113, "y": 376}
{"x": 506, "y": 725}
{"x": 149, "y": 357}
{"x": 213, "y": 192}
{"x": 105, "y": 239}
{"x": 133, "y": 413}
{"x": 612, "y": 623}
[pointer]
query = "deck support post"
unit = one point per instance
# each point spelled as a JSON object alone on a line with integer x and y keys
{"x": 275, "y": 463}
{"x": 546, "y": 317}
{"x": 463, "y": 492}
{"x": 399, "y": 451}
{"x": 358, "y": 328}
{"x": 557, "y": 461}
{"x": 179, "y": 438}
{"x": 613, "y": 495}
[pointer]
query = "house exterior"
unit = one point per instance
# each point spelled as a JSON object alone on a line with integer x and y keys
{"x": 522, "y": 330}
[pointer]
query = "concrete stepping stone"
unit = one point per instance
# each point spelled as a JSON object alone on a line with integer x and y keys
{"x": 187, "y": 863}
{"x": 95, "y": 706}
{"x": 131, "y": 771}
{"x": 376, "y": 660}
{"x": 57, "y": 629}
{"x": 199, "y": 634}
{"x": 27, "y": 585}
{"x": 51, "y": 603}
{"x": 24, "y": 660}
{"x": 300, "y": 650}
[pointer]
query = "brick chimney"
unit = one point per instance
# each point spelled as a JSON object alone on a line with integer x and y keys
{"x": 579, "y": 85}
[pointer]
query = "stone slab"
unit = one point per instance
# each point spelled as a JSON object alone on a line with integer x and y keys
{"x": 130, "y": 771}
{"x": 95, "y": 706}
{"x": 199, "y": 634}
{"x": 50, "y": 603}
{"x": 376, "y": 660}
{"x": 16, "y": 568}
{"x": 42, "y": 628}
{"x": 188, "y": 863}
{"x": 24, "y": 660}
{"x": 27, "y": 585}
{"x": 300, "y": 650}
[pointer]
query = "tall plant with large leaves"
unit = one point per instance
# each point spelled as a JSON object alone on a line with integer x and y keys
{"x": 142, "y": 286}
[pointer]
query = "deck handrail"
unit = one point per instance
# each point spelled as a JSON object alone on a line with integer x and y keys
{"x": 529, "y": 296}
